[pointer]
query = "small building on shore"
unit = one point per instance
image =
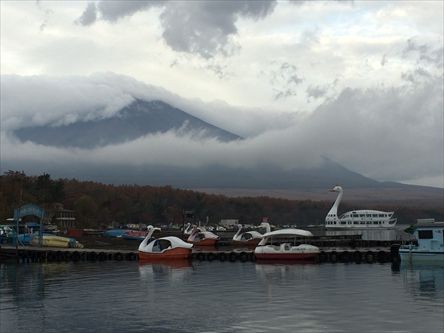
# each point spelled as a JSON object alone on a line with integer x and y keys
{"x": 64, "y": 218}
{"x": 228, "y": 223}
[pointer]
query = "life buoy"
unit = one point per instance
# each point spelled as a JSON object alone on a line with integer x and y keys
{"x": 211, "y": 256}
{"x": 381, "y": 257}
{"x": 369, "y": 257}
{"x": 222, "y": 257}
{"x": 50, "y": 256}
{"x": 200, "y": 256}
{"x": 357, "y": 257}
{"x": 59, "y": 256}
{"x": 118, "y": 256}
{"x": 243, "y": 257}
{"x": 333, "y": 257}
{"x": 75, "y": 256}
{"x": 345, "y": 257}
{"x": 102, "y": 256}
{"x": 232, "y": 257}
{"x": 92, "y": 256}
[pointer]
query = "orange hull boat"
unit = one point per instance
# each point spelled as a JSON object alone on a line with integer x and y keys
{"x": 172, "y": 254}
{"x": 205, "y": 242}
{"x": 249, "y": 243}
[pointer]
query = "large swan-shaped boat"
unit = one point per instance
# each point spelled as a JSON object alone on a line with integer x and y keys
{"x": 266, "y": 250}
{"x": 249, "y": 238}
{"x": 164, "y": 248}
{"x": 202, "y": 238}
{"x": 357, "y": 219}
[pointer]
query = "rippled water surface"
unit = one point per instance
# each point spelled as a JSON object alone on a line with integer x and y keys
{"x": 220, "y": 297}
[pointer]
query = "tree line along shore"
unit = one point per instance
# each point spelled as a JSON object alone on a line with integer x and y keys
{"x": 97, "y": 205}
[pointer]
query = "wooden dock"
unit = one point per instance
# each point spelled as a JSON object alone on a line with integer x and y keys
{"x": 29, "y": 254}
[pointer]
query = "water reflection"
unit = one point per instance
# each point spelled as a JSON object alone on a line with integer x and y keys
{"x": 220, "y": 297}
{"x": 285, "y": 271}
{"x": 175, "y": 270}
{"x": 423, "y": 281}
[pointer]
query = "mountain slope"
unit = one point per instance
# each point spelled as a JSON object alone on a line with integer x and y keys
{"x": 138, "y": 119}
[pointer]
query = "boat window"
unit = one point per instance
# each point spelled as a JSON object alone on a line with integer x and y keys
{"x": 355, "y": 222}
{"x": 361, "y": 215}
{"x": 343, "y": 222}
{"x": 425, "y": 234}
{"x": 362, "y": 222}
{"x": 156, "y": 246}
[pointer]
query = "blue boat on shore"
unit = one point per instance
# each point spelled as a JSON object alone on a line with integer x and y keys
{"x": 430, "y": 248}
{"x": 114, "y": 233}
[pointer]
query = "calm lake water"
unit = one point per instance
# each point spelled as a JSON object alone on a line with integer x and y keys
{"x": 220, "y": 297}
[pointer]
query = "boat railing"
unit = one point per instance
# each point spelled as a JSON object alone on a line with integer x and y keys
{"x": 393, "y": 221}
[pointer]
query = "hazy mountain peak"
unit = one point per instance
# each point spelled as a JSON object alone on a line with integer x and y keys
{"x": 136, "y": 120}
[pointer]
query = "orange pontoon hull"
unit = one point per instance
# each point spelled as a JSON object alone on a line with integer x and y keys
{"x": 247, "y": 243}
{"x": 205, "y": 242}
{"x": 173, "y": 254}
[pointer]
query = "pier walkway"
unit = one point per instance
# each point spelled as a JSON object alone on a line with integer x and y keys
{"x": 28, "y": 254}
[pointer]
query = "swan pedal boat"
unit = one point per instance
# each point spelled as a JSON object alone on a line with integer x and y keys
{"x": 249, "y": 238}
{"x": 164, "y": 248}
{"x": 286, "y": 251}
{"x": 202, "y": 238}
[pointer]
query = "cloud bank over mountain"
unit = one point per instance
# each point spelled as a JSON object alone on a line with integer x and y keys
{"x": 387, "y": 134}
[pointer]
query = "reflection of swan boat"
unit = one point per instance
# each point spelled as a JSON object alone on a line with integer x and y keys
{"x": 430, "y": 248}
{"x": 357, "y": 219}
{"x": 173, "y": 263}
{"x": 249, "y": 238}
{"x": 202, "y": 238}
{"x": 164, "y": 248}
{"x": 285, "y": 250}
{"x": 171, "y": 270}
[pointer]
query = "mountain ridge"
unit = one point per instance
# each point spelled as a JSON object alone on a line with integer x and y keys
{"x": 136, "y": 120}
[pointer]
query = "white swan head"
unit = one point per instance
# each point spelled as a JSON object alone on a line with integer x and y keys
{"x": 265, "y": 225}
{"x": 337, "y": 188}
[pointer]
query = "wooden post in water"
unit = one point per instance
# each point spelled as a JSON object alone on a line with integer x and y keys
{"x": 16, "y": 219}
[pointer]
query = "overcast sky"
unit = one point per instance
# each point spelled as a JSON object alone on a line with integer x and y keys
{"x": 360, "y": 82}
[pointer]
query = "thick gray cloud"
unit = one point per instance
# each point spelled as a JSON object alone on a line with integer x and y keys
{"x": 89, "y": 16}
{"x": 199, "y": 27}
{"x": 388, "y": 134}
{"x": 114, "y": 10}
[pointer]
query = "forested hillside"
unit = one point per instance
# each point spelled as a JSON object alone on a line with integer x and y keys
{"x": 98, "y": 205}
